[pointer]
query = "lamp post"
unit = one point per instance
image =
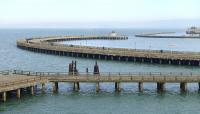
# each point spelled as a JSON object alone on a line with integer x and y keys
{"x": 135, "y": 45}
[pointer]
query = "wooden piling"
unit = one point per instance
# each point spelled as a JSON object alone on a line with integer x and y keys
{"x": 32, "y": 90}
{"x": 97, "y": 87}
{"x": 183, "y": 86}
{"x": 55, "y": 86}
{"x": 18, "y": 92}
{"x": 199, "y": 86}
{"x": 117, "y": 87}
{"x": 140, "y": 86}
{"x": 4, "y": 96}
{"x": 43, "y": 87}
{"x": 160, "y": 86}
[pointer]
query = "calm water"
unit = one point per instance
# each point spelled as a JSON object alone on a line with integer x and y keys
{"x": 107, "y": 101}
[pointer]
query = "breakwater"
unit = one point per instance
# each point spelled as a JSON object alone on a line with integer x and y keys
{"x": 165, "y": 35}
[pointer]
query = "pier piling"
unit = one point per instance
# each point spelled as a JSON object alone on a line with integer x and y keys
{"x": 44, "y": 45}
{"x": 160, "y": 86}
{"x": 97, "y": 87}
{"x": 96, "y": 73}
{"x": 18, "y": 92}
{"x": 4, "y": 96}
{"x": 55, "y": 87}
{"x": 117, "y": 87}
{"x": 43, "y": 87}
{"x": 32, "y": 90}
{"x": 140, "y": 86}
{"x": 183, "y": 86}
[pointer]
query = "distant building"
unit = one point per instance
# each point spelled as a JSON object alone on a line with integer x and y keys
{"x": 193, "y": 30}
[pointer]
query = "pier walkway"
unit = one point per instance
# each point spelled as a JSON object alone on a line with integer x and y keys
{"x": 14, "y": 82}
{"x": 17, "y": 79}
{"x": 47, "y": 45}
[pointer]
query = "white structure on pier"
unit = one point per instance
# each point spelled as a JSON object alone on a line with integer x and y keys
{"x": 114, "y": 34}
{"x": 193, "y": 30}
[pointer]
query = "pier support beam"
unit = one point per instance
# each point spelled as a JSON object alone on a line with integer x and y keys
{"x": 18, "y": 92}
{"x": 199, "y": 86}
{"x": 43, "y": 87}
{"x": 179, "y": 62}
{"x": 117, "y": 87}
{"x": 32, "y": 90}
{"x": 183, "y": 86}
{"x": 76, "y": 86}
{"x": 160, "y": 86}
{"x": 4, "y": 96}
{"x": 97, "y": 87}
{"x": 55, "y": 87}
{"x": 140, "y": 87}
{"x": 151, "y": 61}
{"x": 170, "y": 62}
{"x": 160, "y": 61}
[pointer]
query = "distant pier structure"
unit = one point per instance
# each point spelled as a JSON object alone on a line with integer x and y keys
{"x": 192, "y": 32}
{"x": 47, "y": 45}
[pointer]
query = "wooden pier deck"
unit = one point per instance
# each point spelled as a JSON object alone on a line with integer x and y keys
{"x": 135, "y": 77}
{"x": 47, "y": 45}
{"x": 16, "y": 80}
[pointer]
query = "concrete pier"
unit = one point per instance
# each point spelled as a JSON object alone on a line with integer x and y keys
{"x": 48, "y": 46}
{"x": 166, "y": 35}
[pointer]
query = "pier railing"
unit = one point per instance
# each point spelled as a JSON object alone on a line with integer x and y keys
{"x": 116, "y": 51}
{"x": 5, "y": 72}
{"x": 122, "y": 49}
{"x": 14, "y": 82}
{"x": 111, "y": 74}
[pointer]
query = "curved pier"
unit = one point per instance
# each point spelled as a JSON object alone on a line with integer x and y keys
{"x": 47, "y": 45}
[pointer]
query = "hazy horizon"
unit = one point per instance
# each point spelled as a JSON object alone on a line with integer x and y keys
{"x": 99, "y": 14}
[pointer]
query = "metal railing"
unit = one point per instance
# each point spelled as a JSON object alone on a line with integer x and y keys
{"x": 5, "y": 72}
{"x": 31, "y": 73}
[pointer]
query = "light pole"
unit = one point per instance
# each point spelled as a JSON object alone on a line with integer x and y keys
{"x": 135, "y": 45}
{"x": 149, "y": 48}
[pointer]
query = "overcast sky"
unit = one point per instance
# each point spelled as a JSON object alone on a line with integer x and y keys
{"x": 97, "y": 13}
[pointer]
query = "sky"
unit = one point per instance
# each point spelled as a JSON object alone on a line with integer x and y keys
{"x": 99, "y": 13}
